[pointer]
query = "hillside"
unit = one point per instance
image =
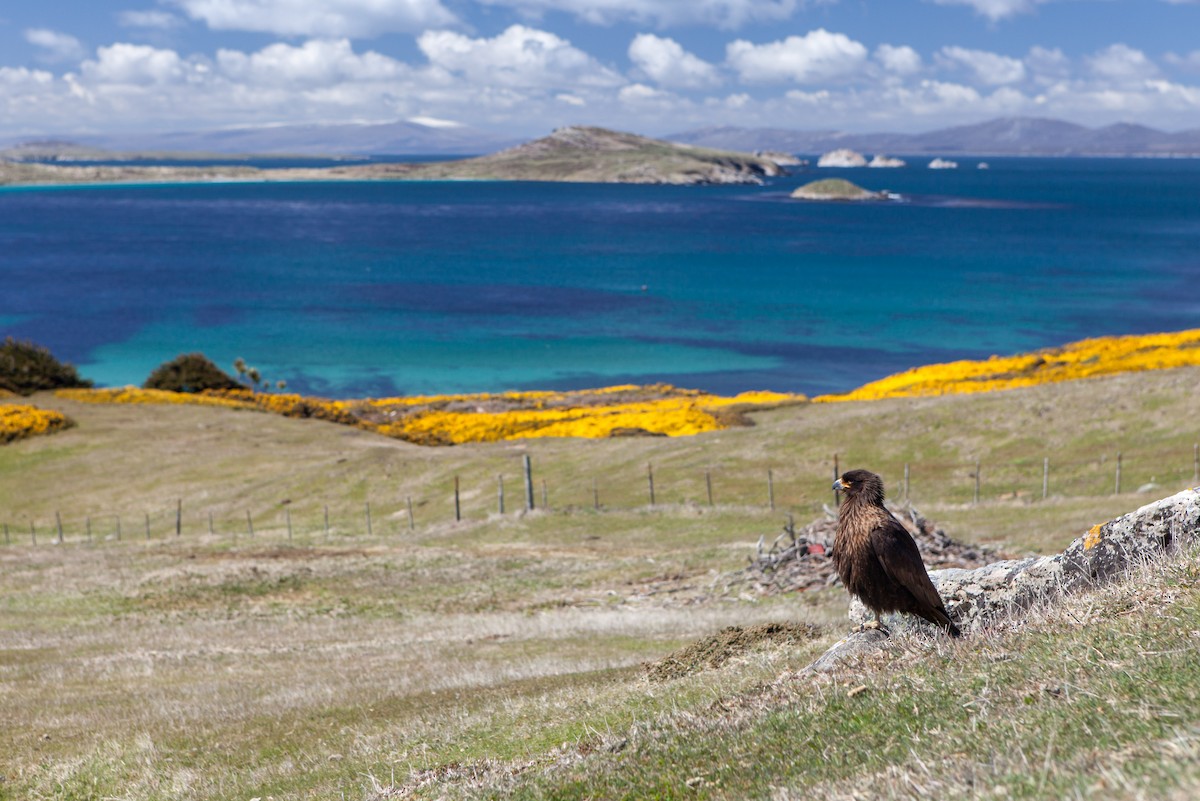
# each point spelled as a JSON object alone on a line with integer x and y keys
{"x": 578, "y": 154}
{"x": 502, "y": 655}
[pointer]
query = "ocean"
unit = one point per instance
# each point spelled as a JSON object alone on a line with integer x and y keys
{"x": 373, "y": 289}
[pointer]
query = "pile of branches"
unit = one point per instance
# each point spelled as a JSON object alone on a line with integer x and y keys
{"x": 799, "y": 560}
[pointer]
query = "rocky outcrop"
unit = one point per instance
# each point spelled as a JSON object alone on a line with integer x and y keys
{"x": 842, "y": 157}
{"x": 1107, "y": 552}
{"x": 882, "y": 161}
{"x": 943, "y": 164}
{"x": 1006, "y": 589}
{"x": 780, "y": 158}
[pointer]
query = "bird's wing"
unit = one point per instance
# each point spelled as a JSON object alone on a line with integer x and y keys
{"x": 897, "y": 553}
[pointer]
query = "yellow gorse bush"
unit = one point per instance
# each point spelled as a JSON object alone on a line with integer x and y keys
{"x": 138, "y": 395}
{"x": 487, "y": 417}
{"x": 1083, "y": 359}
{"x": 19, "y": 421}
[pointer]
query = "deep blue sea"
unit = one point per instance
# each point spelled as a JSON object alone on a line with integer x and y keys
{"x": 350, "y": 290}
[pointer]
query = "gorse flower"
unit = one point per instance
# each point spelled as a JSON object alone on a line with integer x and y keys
{"x": 1083, "y": 359}
{"x": 19, "y": 421}
{"x": 487, "y": 417}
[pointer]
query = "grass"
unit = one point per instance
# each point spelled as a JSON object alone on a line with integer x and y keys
{"x": 502, "y": 654}
{"x": 1096, "y": 698}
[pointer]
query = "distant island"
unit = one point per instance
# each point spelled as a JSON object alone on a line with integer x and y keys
{"x": 573, "y": 154}
{"x": 836, "y": 189}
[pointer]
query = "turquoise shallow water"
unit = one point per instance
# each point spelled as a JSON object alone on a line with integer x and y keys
{"x": 381, "y": 288}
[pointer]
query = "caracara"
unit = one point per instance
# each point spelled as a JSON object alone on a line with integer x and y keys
{"x": 877, "y": 559}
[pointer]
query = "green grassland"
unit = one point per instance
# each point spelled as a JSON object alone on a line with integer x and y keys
{"x": 503, "y": 655}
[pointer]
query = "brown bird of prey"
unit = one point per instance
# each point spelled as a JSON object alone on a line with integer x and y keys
{"x": 878, "y": 560}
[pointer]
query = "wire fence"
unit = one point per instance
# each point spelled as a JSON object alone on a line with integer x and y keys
{"x": 1028, "y": 478}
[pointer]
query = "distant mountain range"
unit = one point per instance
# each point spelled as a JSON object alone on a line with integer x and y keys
{"x": 349, "y": 139}
{"x": 1009, "y": 136}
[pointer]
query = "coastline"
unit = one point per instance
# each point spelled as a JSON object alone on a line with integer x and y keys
{"x": 661, "y": 409}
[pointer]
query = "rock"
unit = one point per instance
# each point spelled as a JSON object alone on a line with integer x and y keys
{"x": 782, "y": 159}
{"x": 836, "y": 189}
{"x": 854, "y": 645}
{"x": 842, "y": 158}
{"x": 886, "y": 161}
{"x": 1107, "y": 552}
{"x": 943, "y": 164}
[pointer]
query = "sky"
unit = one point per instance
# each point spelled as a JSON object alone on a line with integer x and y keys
{"x": 525, "y": 67}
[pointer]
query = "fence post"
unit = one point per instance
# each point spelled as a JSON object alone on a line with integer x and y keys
{"x": 906, "y": 481}
{"x": 88, "y": 525}
{"x": 118, "y": 528}
{"x": 977, "y": 471}
{"x": 412, "y": 522}
{"x": 528, "y": 465}
{"x": 708, "y": 486}
{"x": 370, "y": 531}
{"x": 595, "y": 494}
{"x": 457, "y": 507}
{"x": 147, "y": 526}
{"x": 771, "y": 489}
{"x": 211, "y": 529}
{"x": 650, "y": 480}
{"x": 58, "y": 521}
{"x": 500, "y": 493}
{"x": 178, "y": 517}
{"x": 287, "y": 515}
{"x": 249, "y": 523}
{"x": 1045, "y": 477}
{"x": 1117, "y": 486}
{"x": 326, "y": 521}
{"x": 32, "y": 532}
{"x": 545, "y": 495}
{"x": 837, "y": 498}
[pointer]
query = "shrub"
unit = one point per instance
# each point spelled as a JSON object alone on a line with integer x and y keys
{"x": 18, "y": 422}
{"x": 26, "y": 368}
{"x": 190, "y": 372}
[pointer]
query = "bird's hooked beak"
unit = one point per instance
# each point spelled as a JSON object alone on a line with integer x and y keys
{"x": 839, "y": 486}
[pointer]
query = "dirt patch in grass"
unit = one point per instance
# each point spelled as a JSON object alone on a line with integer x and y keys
{"x": 712, "y": 652}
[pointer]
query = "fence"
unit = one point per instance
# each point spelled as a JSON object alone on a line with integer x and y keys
{"x": 1029, "y": 479}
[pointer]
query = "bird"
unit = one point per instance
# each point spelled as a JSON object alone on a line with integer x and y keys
{"x": 877, "y": 559}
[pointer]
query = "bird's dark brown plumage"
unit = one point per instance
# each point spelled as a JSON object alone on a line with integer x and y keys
{"x": 877, "y": 559}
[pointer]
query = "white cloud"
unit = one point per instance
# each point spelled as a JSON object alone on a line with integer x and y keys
{"x": 315, "y": 63}
{"x": 1121, "y": 63}
{"x": 720, "y": 13}
{"x": 901, "y": 60}
{"x": 988, "y": 68}
{"x": 55, "y": 46}
{"x": 328, "y": 18}
{"x": 518, "y": 57}
{"x": 134, "y": 64}
{"x": 668, "y": 64}
{"x": 995, "y": 9}
{"x": 158, "y": 20}
{"x": 640, "y": 93}
{"x": 817, "y": 56}
{"x": 1047, "y": 64}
